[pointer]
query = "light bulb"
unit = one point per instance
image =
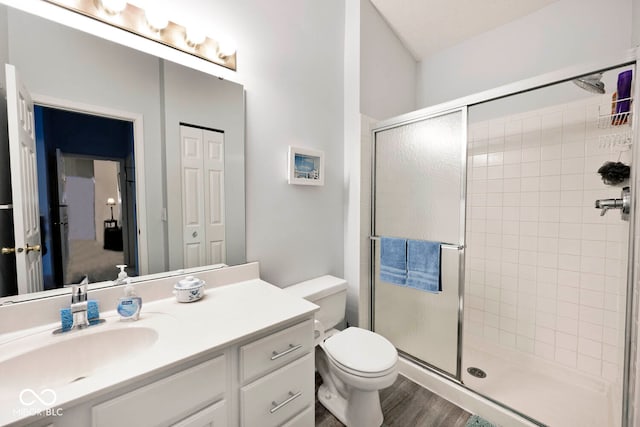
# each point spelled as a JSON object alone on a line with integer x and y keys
{"x": 156, "y": 18}
{"x": 195, "y": 36}
{"x": 113, "y": 7}
{"x": 226, "y": 47}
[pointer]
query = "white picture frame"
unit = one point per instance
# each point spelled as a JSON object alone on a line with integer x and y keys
{"x": 306, "y": 166}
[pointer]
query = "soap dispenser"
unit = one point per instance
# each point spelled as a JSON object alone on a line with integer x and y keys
{"x": 122, "y": 275}
{"x": 129, "y": 306}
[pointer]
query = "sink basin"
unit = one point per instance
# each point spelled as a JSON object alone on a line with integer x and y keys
{"x": 69, "y": 358}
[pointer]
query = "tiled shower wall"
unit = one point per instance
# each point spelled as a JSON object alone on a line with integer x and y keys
{"x": 545, "y": 273}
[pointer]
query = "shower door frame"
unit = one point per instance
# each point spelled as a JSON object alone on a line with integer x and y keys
{"x": 632, "y": 306}
{"x": 461, "y": 230}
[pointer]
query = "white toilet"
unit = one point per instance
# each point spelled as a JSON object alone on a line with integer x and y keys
{"x": 354, "y": 363}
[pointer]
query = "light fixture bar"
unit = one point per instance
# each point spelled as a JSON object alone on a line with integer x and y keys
{"x": 133, "y": 19}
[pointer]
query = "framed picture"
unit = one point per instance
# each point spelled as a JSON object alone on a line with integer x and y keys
{"x": 306, "y": 167}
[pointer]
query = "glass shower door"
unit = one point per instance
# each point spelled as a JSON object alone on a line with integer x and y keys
{"x": 418, "y": 194}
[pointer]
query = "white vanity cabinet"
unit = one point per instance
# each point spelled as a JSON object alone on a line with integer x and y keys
{"x": 265, "y": 381}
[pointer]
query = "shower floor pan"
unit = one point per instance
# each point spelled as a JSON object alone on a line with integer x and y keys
{"x": 544, "y": 391}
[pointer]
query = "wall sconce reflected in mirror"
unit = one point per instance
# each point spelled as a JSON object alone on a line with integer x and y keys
{"x": 153, "y": 23}
{"x": 111, "y": 202}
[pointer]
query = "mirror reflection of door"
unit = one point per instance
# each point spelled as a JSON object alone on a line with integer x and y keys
{"x": 86, "y": 172}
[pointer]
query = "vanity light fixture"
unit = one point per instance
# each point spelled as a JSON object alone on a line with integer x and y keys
{"x": 194, "y": 36}
{"x": 113, "y": 7}
{"x": 156, "y": 18}
{"x": 153, "y": 23}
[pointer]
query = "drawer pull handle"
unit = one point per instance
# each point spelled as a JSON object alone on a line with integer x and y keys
{"x": 291, "y": 349}
{"x": 277, "y": 406}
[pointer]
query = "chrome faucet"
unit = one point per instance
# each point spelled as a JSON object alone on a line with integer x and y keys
{"x": 79, "y": 305}
{"x": 79, "y": 309}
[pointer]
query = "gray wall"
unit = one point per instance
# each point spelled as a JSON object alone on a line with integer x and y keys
{"x": 387, "y": 68}
{"x": 199, "y": 99}
{"x": 565, "y": 33}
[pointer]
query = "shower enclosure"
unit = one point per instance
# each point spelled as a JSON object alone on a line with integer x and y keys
{"x": 533, "y": 312}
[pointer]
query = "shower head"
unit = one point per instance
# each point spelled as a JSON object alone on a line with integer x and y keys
{"x": 591, "y": 83}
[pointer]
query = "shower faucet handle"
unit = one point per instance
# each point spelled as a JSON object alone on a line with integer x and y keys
{"x": 624, "y": 204}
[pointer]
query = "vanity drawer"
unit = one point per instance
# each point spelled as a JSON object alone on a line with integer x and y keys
{"x": 304, "y": 419}
{"x": 166, "y": 401}
{"x": 211, "y": 416}
{"x": 277, "y": 397}
{"x": 274, "y": 351}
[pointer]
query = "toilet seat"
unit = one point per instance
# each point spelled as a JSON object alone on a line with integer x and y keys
{"x": 361, "y": 352}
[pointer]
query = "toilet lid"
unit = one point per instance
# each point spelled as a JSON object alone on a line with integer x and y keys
{"x": 361, "y": 350}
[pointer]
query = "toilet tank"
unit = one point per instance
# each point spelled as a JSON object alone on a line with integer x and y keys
{"x": 328, "y": 292}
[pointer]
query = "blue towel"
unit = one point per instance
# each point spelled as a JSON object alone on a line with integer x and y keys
{"x": 393, "y": 260}
{"x": 423, "y": 265}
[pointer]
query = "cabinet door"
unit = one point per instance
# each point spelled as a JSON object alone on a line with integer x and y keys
{"x": 166, "y": 401}
{"x": 211, "y": 416}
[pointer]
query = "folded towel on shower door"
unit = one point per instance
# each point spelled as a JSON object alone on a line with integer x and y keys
{"x": 393, "y": 260}
{"x": 423, "y": 265}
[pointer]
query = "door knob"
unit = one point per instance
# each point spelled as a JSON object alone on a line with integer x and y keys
{"x": 34, "y": 248}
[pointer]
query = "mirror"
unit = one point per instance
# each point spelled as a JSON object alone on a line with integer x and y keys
{"x": 162, "y": 103}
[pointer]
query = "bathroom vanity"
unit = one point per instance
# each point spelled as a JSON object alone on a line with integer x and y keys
{"x": 241, "y": 356}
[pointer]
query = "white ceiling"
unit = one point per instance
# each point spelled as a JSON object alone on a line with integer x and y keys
{"x": 427, "y": 26}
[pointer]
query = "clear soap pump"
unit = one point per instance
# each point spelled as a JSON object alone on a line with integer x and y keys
{"x": 130, "y": 304}
{"x": 122, "y": 275}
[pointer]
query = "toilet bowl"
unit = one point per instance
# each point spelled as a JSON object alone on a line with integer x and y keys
{"x": 354, "y": 364}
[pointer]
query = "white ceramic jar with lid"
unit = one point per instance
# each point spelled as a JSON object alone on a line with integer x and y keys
{"x": 189, "y": 289}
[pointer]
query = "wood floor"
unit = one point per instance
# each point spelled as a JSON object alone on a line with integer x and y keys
{"x": 405, "y": 404}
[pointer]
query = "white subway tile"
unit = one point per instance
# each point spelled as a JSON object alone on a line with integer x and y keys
{"x": 550, "y": 183}
{"x": 592, "y": 265}
{"x": 569, "y": 278}
{"x": 571, "y": 182}
{"x": 549, "y": 229}
{"x": 495, "y": 186}
{"x": 571, "y": 198}
{"x": 567, "y": 341}
{"x": 588, "y": 364}
{"x": 566, "y": 357}
{"x": 590, "y": 348}
{"x": 546, "y": 320}
{"x": 510, "y": 199}
{"x": 549, "y": 214}
{"x": 495, "y": 159}
{"x": 568, "y": 309}
{"x": 511, "y": 170}
{"x": 568, "y": 293}
{"x": 528, "y": 184}
{"x": 545, "y": 335}
{"x": 570, "y": 231}
{"x": 528, "y": 228}
{"x": 507, "y": 339}
{"x": 573, "y": 149}
{"x": 494, "y": 172}
{"x": 511, "y": 185}
{"x": 528, "y": 214}
{"x": 567, "y": 325}
{"x": 531, "y": 154}
{"x": 545, "y": 350}
{"x": 592, "y": 315}
{"x": 531, "y": 169}
{"x": 525, "y": 344}
{"x": 511, "y": 157}
{"x": 550, "y": 167}
{"x": 548, "y": 244}
{"x": 590, "y": 331}
{"x": 569, "y": 262}
{"x": 551, "y": 152}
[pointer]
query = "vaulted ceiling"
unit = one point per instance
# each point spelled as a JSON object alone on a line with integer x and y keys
{"x": 427, "y": 26}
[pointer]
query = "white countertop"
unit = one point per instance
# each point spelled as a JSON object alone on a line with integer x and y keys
{"x": 225, "y": 316}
